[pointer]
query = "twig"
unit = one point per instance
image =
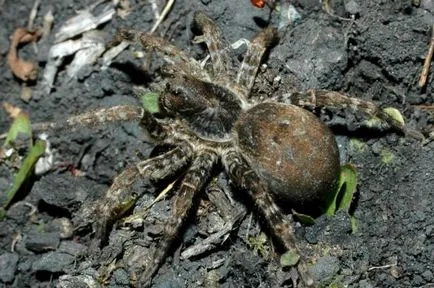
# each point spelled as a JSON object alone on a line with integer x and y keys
{"x": 215, "y": 239}
{"x": 426, "y": 107}
{"x": 154, "y": 8}
{"x": 428, "y": 58}
{"x": 163, "y": 15}
{"x": 17, "y": 237}
{"x": 32, "y": 15}
{"x": 48, "y": 23}
{"x": 382, "y": 267}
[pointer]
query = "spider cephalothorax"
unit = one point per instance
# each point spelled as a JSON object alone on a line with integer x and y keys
{"x": 273, "y": 151}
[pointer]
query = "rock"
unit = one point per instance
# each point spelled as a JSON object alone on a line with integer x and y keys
{"x": 72, "y": 248}
{"x": 63, "y": 226}
{"x": 68, "y": 281}
{"x": 325, "y": 269}
{"x": 42, "y": 242}
{"x": 53, "y": 262}
{"x": 427, "y": 275}
{"x": 8, "y": 266}
{"x": 121, "y": 277}
{"x": 352, "y": 7}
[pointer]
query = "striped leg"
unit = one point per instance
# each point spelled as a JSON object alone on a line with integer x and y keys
{"x": 93, "y": 118}
{"x": 213, "y": 40}
{"x": 244, "y": 177}
{"x": 191, "y": 185}
{"x": 105, "y": 116}
{"x": 171, "y": 54}
{"x": 325, "y": 98}
{"x": 252, "y": 59}
{"x": 120, "y": 197}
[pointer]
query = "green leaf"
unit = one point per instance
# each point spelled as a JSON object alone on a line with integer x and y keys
{"x": 330, "y": 207}
{"x": 150, "y": 102}
{"x": 303, "y": 218}
{"x": 343, "y": 196}
{"x": 21, "y": 125}
{"x": 289, "y": 258}
{"x": 26, "y": 170}
{"x": 348, "y": 181}
{"x": 394, "y": 114}
{"x": 357, "y": 145}
{"x": 386, "y": 156}
{"x": 354, "y": 224}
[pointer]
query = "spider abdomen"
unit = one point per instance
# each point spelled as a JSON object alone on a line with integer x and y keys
{"x": 295, "y": 154}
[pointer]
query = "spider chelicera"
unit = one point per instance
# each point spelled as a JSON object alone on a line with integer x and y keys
{"x": 273, "y": 150}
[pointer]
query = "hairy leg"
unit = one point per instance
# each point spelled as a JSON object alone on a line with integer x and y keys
{"x": 244, "y": 177}
{"x": 182, "y": 62}
{"x": 119, "y": 198}
{"x": 326, "y": 98}
{"x": 213, "y": 40}
{"x": 252, "y": 59}
{"x": 105, "y": 116}
{"x": 93, "y": 118}
{"x": 191, "y": 185}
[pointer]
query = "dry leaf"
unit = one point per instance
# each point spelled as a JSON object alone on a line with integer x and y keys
{"x": 12, "y": 110}
{"x": 22, "y": 69}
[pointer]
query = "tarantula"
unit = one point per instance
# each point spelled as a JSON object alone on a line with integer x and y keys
{"x": 274, "y": 151}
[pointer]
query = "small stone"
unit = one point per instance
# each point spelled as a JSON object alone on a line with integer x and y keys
{"x": 26, "y": 94}
{"x": 121, "y": 277}
{"x": 72, "y": 248}
{"x": 63, "y": 226}
{"x": 365, "y": 284}
{"x": 325, "y": 269}
{"x": 427, "y": 5}
{"x": 68, "y": 281}
{"x": 427, "y": 275}
{"x": 53, "y": 262}
{"x": 42, "y": 242}
{"x": 352, "y": 7}
{"x": 8, "y": 266}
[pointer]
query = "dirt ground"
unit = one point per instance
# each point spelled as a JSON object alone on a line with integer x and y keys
{"x": 377, "y": 56}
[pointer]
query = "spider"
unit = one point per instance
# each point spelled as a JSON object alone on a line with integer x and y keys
{"x": 274, "y": 150}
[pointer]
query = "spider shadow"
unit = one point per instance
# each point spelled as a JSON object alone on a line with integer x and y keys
{"x": 135, "y": 73}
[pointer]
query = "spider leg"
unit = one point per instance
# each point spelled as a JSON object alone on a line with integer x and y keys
{"x": 252, "y": 59}
{"x": 104, "y": 116}
{"x": 213, "y": 40}
{"x": 93, "y": 118}
{"x": 191, "y": 185}
{"x": 244, "y": 177}
{"x": 326, "y": 98}
{"x": 119, "y": 198}
{"x": 170, "y": 53}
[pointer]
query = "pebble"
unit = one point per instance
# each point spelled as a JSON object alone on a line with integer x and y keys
{"x": 427, "y": 275}
{"x": 42, "y": 242}
{"x": 8, "y": 266}
{"x": 325, "y": 269}
{"x": 63, "y": 226}
{"x": 72, "y": 248}
{"x": 352, "y": 7}
{"x": 53, "y": 262}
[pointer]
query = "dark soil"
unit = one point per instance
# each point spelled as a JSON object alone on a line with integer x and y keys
{"x": 379, "y": 56}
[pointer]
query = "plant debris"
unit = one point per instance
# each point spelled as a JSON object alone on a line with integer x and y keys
{"x": 22, "y": 69}
{"x": 427, "y": 63}
{"x": 84, "y": 21}
{"x": 24, "y": 173}
{"x": 343, "y": 197}
{"x": 21, "y": 125}
{"x": 87, "y": 49}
